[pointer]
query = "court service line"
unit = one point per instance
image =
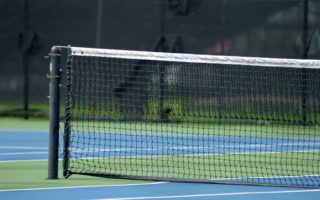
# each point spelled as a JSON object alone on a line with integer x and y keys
{"x": 12, "y": 161}
{"x": 24, "y": 147}
{"x": 23, "y": 153}
{"x": 216, "y": 194}
{"x": 22, "y": 131}
{"x": 272, "y": 177}
{"x": 83, "y": 186}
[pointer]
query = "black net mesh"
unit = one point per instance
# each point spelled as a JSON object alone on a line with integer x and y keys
{"x": 176, "y": 120}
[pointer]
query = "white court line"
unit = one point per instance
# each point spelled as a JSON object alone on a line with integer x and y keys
{"x": 23, "y": 153}
{"x": 191, "y": 154}
{"x": 85, "y": 186}
{"x": 23, "y": 147}
{"x": 11, "y": 161}
{"x": 271, "y": 177}
{"x": 255, "y": 149}
{"x": 216, "y": 194}
{"x": 22, "y": 131}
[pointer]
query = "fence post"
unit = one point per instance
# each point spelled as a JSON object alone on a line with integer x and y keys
{"x": 305, "y": 46}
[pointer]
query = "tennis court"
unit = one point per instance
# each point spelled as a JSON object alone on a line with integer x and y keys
{"x": 32, "y": 145}
{"x": 126, "y": 120}
{"x": 160, "y": 99}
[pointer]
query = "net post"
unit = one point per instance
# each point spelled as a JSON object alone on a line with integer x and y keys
{"x": 54, "y": 98}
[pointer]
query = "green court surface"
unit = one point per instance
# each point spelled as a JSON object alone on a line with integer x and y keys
{"x": 252, "y": 165}
{"x": 33, "y": 174}
{"x": 21, "y": 124}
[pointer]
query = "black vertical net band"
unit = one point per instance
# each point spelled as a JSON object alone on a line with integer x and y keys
{"x": 197, "y": 118}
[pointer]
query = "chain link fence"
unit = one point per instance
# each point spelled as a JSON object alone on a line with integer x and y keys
{"x": 29, "y": 28}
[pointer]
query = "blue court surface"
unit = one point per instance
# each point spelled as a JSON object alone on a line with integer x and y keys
{"x": 32, "y": 145}
{"x": 156, "y": 144}
{"x": 166, "y": 191}
{"x": 23, "y": 145}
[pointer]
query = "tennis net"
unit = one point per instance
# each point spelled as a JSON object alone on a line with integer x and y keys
{"x": 185, "y": 117}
